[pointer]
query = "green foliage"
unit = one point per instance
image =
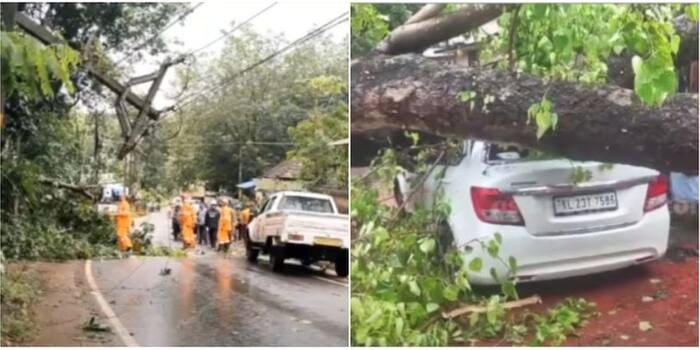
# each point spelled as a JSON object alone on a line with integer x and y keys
{"x": 544, "y": 116}
{"x": 18, "y": 294}
{"x": 263, "y": 106}
{"x": 367, "y": 27}
{"x": 406, "y": 272}
{"x": 116, "y": 26}
{"x": 324, "y": 165}
{"x": 574, "y": 41}
{"x": 560, "y": 321}
{"x": 370, "y": 23}
{"x": 29, "y": 67}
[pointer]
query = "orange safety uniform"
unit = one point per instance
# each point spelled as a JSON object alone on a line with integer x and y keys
{"x": 188, "y": 219}
{"x": 226, "y": 224}
{"x": 123, "y": 219}
{"x": 245, "y": 216}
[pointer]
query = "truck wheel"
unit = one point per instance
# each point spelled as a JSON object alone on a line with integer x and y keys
{"x": 341, "y": 264}
{"x": 277, "y": 258}
{"x": 250, "y": 252}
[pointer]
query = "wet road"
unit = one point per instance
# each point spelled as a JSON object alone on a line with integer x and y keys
{"x": 211, "y": 299}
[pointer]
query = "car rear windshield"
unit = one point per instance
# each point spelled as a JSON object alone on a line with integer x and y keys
{"x": 318, "y": 205}
{"x": 500, "y": 153}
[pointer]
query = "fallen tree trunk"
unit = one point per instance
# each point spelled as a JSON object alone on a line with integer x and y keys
{"x": 602, "y": 123}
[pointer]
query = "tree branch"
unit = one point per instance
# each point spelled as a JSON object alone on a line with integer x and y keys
{"x": 414, "y": 37}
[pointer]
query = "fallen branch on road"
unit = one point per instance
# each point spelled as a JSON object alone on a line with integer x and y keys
{"x": 535, "y": 299}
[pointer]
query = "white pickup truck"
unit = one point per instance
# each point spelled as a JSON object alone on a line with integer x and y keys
{"x": 300, "y": 225}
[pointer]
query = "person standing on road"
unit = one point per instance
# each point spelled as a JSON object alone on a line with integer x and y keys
{"x": 123, "y": 219}
{"x": 211, "y": 221}
{"x": 226, "y": 225}
{"x": 176, "y": 220}
{"x": 244, "y": 219}
{"x": 202, "y": 236}
{"x": 188, "y": 219}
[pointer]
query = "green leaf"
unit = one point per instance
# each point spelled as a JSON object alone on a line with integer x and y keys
{"x": 494, "y": 275}
{"x": 450, "y": 293}
{"x": 427, "y": 246}
{"x": 474, "y": 318}
{"x": 413, "y": 287}
{"x": 492, "y": 248}
{"x": 475, "y": 265}
{"x": 430, "y": 307}
{"x": 667, "y": 82}
{"x": 512, "y": 263}
{"x": 508, "y": 289}
{"x": 691, "y": 10}
{"x": 498, "y": 238}
{"x": 637, "y": 64}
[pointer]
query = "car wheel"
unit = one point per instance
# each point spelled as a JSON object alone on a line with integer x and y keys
{"x": 341, "y": 264}
{"x": 250, "y": 252}
{"x": 277, "y": 258}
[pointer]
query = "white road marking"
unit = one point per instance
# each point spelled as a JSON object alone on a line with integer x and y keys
{"x": 121, "y": 331}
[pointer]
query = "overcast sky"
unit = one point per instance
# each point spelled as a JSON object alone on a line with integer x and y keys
{"x": 206, "y": 23}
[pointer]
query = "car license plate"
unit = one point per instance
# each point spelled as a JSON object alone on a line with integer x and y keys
{"x": 332, "y": 242}
{"x": 572, "y": 205}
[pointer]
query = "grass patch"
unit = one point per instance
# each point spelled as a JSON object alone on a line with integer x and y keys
{"x": 18, "y": 292}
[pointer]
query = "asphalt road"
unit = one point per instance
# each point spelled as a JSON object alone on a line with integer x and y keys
{"x": 211, "y": 299}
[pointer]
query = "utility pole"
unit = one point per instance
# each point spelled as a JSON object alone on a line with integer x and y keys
{"x": 132, "y": 132}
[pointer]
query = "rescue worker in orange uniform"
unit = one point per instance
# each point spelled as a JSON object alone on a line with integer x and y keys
{"x": 188, "y": 219}
{"x": 123, "y": 220}
{"x": 227, "y": 222}
{"x": 243, "y": 221}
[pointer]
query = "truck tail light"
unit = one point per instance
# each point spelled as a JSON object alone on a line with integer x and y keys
{"x": 495, "y": 207}
{"x": 656, "y": 193}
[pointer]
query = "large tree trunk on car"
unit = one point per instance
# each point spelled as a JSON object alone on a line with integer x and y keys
{"x": 602, "y": 123}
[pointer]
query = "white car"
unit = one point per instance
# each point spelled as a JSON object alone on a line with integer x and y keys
{"x": 555, "y": 228}
{"x": 301, "y": 225}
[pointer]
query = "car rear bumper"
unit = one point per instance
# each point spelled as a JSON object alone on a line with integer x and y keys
{"x": 552, "y": 257}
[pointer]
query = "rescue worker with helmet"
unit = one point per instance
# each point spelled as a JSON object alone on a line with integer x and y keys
{"x": 123, "y": 221}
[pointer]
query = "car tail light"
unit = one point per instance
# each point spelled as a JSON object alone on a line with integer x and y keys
{"x": 495, "y": 207}
{"x": 656, "y": 193}
{"x": 295, "y": 237}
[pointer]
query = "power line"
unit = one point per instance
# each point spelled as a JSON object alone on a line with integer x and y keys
{"x": 179, "y": 18}
{"x": 314, "y": 33}
{"x": 233, "y": 29}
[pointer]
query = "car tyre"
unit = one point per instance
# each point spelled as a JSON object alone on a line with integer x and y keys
{"x": 250, "y": 252}
{"x": 341, "y": 263}
{"x": 277, "y": 258}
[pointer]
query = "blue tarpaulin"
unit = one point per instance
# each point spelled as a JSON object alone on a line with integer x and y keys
{"x": 246, "y": 185}
{"x": 684, "y": 188}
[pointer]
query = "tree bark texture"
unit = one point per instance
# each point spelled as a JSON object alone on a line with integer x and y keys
{"x": 603, "y": 123}
{"x": 417, "y": 36}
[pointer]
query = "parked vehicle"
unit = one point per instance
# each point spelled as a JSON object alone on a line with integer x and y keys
{"x": 555, "y": 227}
{"x": 300, "y": 225}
